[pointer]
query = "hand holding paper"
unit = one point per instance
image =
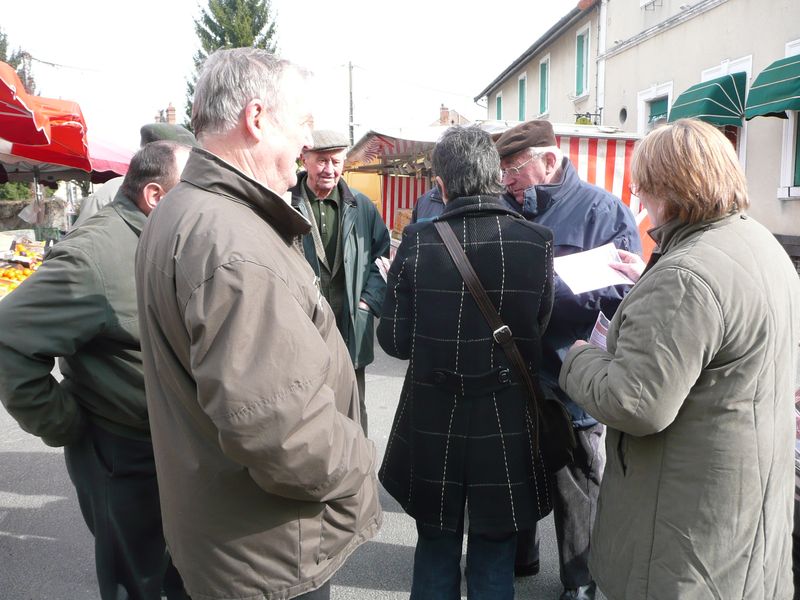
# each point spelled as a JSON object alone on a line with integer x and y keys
{"x": 631, "y": 266}
{"x": 591, "y": 270}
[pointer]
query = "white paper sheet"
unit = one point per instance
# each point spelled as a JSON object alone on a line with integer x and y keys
{"x": 589, "y": 270}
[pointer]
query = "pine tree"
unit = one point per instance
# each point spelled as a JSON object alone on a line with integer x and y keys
{"x": 231, "y": 24}
{"x": 20, "y": 60}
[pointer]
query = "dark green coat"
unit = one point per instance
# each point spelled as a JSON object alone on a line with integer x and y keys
{"x": 80, "y": 306}
{"x": 365, "y": 238}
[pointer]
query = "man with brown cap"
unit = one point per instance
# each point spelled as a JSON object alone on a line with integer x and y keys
{"x": 347, "y": 236}
{"x": 543, "y": 185}
{"x": 150, "y": 132}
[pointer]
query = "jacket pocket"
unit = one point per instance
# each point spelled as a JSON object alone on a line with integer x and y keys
{"x": 340, "y": 522}
{"x": 364, "y": 338}
{"x": 347, "y": 519}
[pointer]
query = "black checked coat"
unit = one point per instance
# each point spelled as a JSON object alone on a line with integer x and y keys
{"x": 462, "y": 432}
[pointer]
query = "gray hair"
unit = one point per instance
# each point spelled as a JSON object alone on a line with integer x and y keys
{"x": 229, "y": 80}
{"x": 539, "y": 151}
{"x": 467, "y": 161}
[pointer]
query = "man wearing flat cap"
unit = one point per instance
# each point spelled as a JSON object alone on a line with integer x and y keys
{"x": 543, "y": 185}
{"x": 347, "y": 236}
{"x": 150, "y": 132}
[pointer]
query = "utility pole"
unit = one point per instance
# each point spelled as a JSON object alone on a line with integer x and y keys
{"x": 350, "y": 74}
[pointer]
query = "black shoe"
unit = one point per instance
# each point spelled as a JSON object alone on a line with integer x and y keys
{"x": 528, "y": 570}
{"x": 584, "y": 592}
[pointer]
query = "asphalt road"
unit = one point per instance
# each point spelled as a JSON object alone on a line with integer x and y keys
{"x": 46, "y": 552}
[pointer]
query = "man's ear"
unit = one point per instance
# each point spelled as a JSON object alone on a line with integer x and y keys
{"x": 551, "y": 163}
{"x": 151, "y": 195}
{"x": 440, "y": 184}
{"x": 255, "y": 115}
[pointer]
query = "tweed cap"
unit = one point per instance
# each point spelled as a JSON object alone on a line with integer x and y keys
{"x": 156, "y": 132}
{"x": 531, "y": 134}
{"x": 326, "y": 140}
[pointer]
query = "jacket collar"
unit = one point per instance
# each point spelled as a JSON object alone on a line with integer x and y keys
{"x": 538, "y": 199}
{"x": 472, "y": 204}
{"x": 345, "y": 195}
{"x": 672, "y": 233}
{"x": 129, "y": 212}
{"x": 209, "y": 172}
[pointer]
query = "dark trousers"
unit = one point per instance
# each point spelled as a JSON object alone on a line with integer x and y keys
{"x": 437, "y": 565}
{"x": 115, "y": 478}
{"x": 575, "y": 491}
{"x": 322, "y": 593}
{"x": 362, "y": 401}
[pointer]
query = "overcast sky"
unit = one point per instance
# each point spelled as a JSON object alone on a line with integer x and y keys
{"x": 123, "y": 61}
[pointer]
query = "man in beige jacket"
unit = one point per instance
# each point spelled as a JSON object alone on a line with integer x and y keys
{"x": 267, "y": 481}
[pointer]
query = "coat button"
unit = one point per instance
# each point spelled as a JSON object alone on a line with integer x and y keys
{"x": 504, "y": 376}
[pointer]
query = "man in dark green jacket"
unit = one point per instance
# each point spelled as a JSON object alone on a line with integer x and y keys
{"x": 80, "y": 307}
{"x": 347, "y": 237}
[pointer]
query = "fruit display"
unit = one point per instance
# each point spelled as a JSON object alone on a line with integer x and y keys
{"x": 19, "y": 263}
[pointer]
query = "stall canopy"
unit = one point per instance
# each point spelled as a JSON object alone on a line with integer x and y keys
{"x": 719, "y": 101}
{"x": 775, "y": 90}
{"x": 20, "y": 121}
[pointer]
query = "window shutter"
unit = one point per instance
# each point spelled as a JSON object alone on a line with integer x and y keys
{"x": 543, "y": 87}
{"x": 579, "y": 64}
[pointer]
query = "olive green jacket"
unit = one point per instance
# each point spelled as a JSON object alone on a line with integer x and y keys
{"x": 80, "y": 306}
{"x": 363, "y": 238}
{"x": 697, "y": 391}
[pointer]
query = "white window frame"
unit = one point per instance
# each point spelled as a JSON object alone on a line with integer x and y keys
{"x": 726, "y": 67}
{"x": 522, "y": 77}
{"x": 644, "y": 97}
{"x": 585, "y": 31}
{"x": 546, "y": 112}
{"x": 497, "y": 97}
{"x": 787, "y": 189}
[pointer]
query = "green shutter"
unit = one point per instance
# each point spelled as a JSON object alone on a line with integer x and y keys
{"x": 543, "y": 87}
{"x": 579, "y": 65}
{"x": 658, "y": 110}
{"x": 797, "y": 150}
{"x": 499, "y": 105}
{"x": 522, "y": 85}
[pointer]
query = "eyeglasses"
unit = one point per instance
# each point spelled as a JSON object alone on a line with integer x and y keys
{"x": 634, "y": 188}
{"x": 514, "y": 170}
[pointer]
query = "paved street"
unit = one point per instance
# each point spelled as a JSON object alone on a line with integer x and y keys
{"x": 46, "y": 550}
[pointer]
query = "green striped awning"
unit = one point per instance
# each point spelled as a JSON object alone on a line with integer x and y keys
{"x": 775, "y": 90}
{"x": 719, "y": 101}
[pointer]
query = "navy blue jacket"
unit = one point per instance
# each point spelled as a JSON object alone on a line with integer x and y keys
{"x": 581, "y": 216}
{"x": 428, "y": 206}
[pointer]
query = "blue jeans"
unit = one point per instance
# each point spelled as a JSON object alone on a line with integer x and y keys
{"x": 437, "y": 565}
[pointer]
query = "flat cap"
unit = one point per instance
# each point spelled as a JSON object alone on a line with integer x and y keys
{"x": 156, "y": 132}
{"x": 326, "y": 140}
{"x": 531, "y": 134}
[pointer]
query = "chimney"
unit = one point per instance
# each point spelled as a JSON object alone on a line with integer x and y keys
{"x": 171, "y": 114}
{"x": 444, "y": 115}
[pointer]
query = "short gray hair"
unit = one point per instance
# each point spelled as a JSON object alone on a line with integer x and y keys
{"x": 467, "y": 161}
{"x": 539, "y": 151}
{"x": 229, "y": 80}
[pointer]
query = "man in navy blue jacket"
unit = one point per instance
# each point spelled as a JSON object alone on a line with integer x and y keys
{"x": 543, "y": 185}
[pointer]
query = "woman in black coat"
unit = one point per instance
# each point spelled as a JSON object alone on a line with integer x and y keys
{"x": 463, "y": 434}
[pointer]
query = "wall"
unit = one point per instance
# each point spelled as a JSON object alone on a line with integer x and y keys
{"x": 730, "y": 30}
